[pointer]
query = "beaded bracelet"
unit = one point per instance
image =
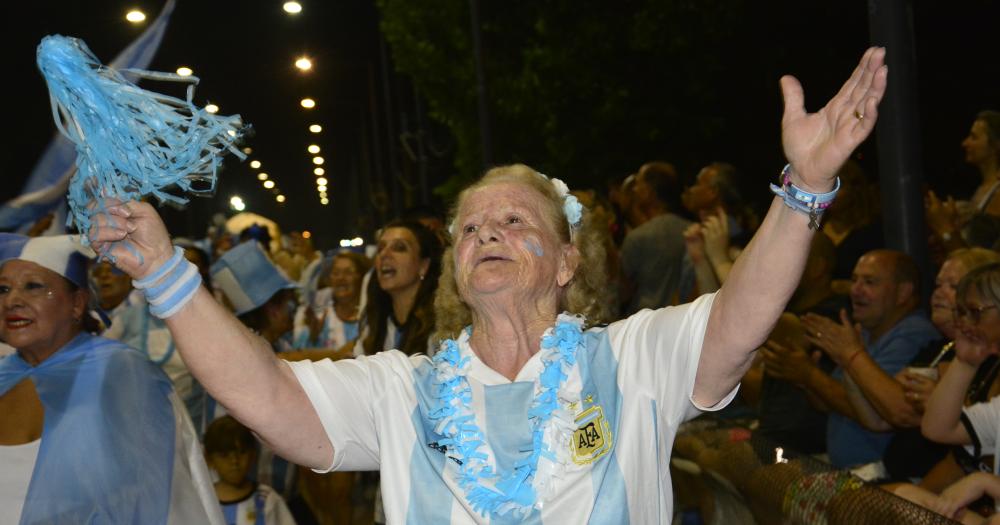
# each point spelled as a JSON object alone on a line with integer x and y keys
{"x": 811, "y": 204}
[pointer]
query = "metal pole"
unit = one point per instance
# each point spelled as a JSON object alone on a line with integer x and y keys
{"x": 901, "y": 171}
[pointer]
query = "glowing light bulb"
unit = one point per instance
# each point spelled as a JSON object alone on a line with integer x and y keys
{"x": 135, "y": 16}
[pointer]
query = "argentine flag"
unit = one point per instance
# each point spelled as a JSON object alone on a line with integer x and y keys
{"x": 45, "y": 191}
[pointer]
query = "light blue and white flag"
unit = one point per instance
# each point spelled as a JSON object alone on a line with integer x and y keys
{"x": 45, "y": 190}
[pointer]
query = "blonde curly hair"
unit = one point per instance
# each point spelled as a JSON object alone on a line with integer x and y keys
{"x": 583, "y": 294}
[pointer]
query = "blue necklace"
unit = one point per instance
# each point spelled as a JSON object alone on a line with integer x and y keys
{"x": 531, "y": 481}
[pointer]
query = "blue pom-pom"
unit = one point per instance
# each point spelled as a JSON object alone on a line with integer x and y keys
{"x": 130, "y": 143}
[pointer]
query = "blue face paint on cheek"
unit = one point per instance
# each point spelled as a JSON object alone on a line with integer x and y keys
{"x": 534, "y": 248}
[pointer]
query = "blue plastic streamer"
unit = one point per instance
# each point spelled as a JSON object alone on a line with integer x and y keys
{"x": 130, "y": 142}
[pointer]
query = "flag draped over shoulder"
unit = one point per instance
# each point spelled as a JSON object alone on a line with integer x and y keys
{"x": 45, "y": 190}
{"x": 107, "y": 449}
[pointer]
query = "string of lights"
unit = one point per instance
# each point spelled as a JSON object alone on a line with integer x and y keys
{"x": 304, "y": 64}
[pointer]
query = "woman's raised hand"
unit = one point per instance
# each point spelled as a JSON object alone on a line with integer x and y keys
{"x": 695, "y": 242}
{"x": 715, "y": 231}
{"x": 817, "y": 144}
{"x": 942, "y": 217}
{"x": 973, "y": 351}
{"x": 132, "y": 235}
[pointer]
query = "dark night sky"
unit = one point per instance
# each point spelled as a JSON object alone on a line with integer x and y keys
{"x": 243, "y": 52}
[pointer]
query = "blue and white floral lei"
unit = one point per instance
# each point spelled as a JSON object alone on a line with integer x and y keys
{"x": 532, "y": 479}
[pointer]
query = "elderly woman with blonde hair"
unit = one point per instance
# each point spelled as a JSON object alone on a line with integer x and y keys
{"x": 529, "y": 409}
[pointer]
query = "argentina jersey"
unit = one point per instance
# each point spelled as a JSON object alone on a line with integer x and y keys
{"x": 628, "y": 393}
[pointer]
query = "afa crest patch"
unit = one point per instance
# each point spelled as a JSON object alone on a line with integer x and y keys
{"x": 592, "y": 438}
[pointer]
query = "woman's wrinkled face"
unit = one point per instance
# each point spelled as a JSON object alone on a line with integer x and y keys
{"x": 505, "y": 241}
{"x": 398, "y": 265}
{"x": 345, "y": 280}
{"x": 943, "y": 298}
{"x": 40, "y": 312}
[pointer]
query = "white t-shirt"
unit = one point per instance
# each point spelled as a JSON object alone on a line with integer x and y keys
{"x": 985, "y": 421}
{"x": 18, "y": 462}
{"x": 634, "y": 381}
{"x": 192, "y": 495}
{"x": 264, "y": 501}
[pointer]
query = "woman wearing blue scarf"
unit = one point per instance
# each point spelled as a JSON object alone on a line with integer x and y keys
{"x": 90, "y": 430}
{"x": 524, "y": 414}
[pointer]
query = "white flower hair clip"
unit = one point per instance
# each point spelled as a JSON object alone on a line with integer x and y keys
{"x": 571, "y": 206}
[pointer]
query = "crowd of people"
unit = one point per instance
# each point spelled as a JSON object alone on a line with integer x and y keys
{"x": 437, "y": 375}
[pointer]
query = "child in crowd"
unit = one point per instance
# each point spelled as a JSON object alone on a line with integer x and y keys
{"x": 230, "y": 450}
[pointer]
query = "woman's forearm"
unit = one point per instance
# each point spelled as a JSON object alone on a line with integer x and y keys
{"x": 943, "y": 409}
{"x": 240, "y": 370}
{"x": 749, "y": 303}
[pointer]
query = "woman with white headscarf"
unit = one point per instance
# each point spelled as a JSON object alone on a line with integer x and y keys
{"x": 90, "y": 430}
